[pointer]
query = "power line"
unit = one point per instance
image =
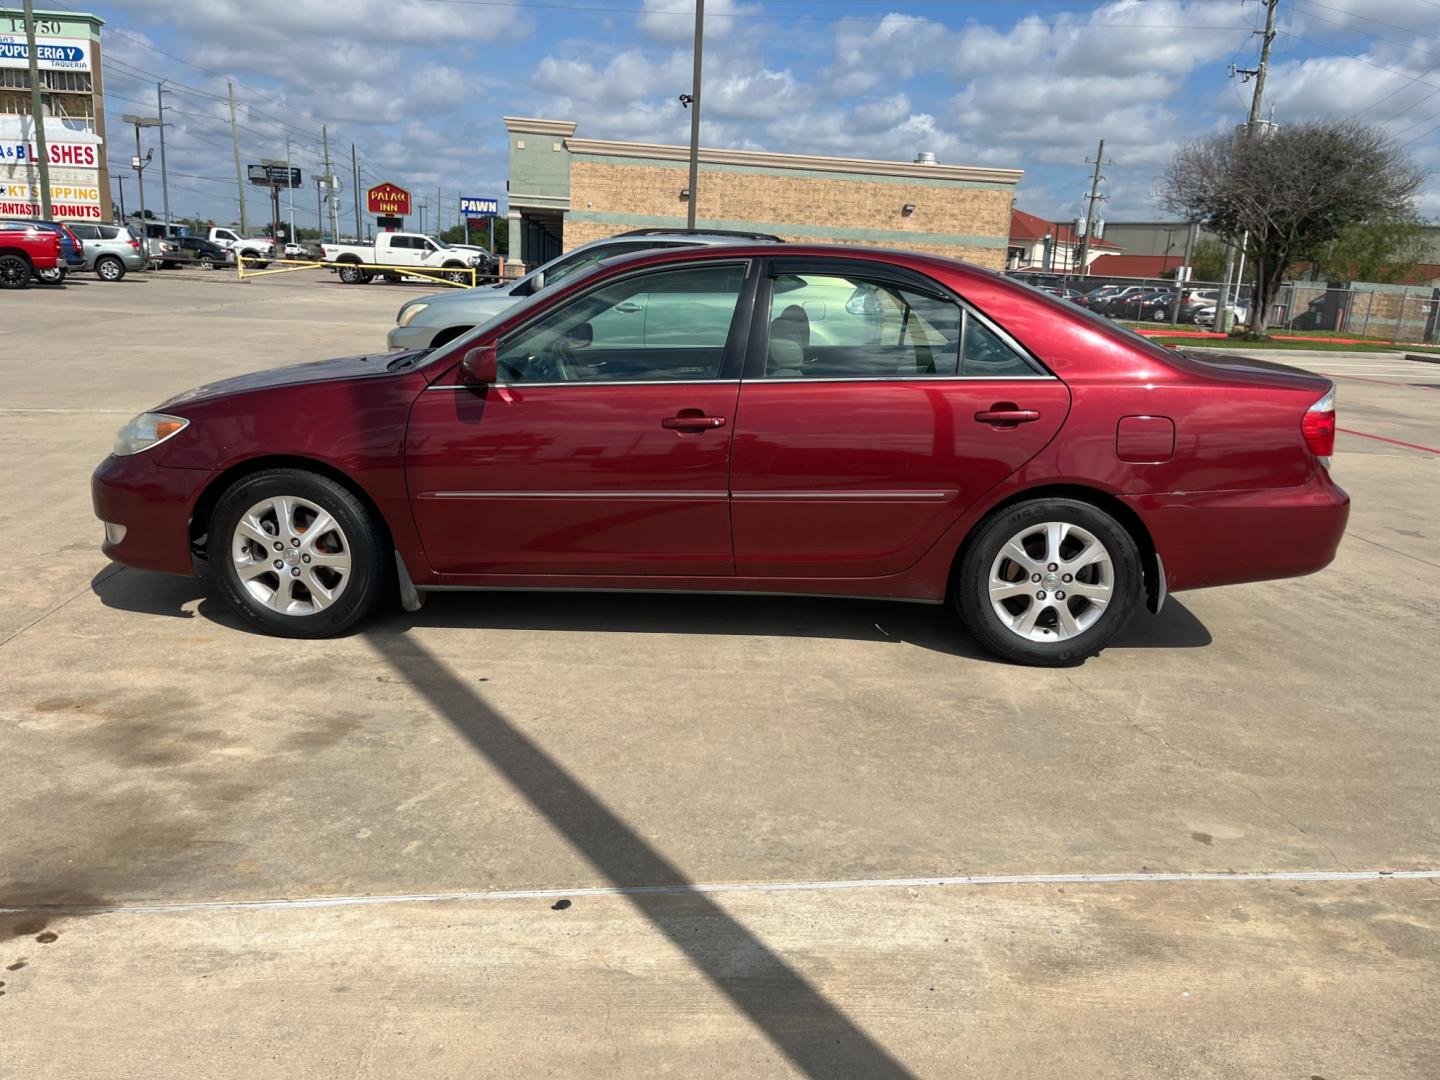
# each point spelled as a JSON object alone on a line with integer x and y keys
{"x": 605, "y": 10}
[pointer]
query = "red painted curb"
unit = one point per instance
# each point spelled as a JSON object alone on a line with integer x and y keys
{"x": 1396, "y": 442}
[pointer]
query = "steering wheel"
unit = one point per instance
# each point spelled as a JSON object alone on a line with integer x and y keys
{"x": 559, "y": 358}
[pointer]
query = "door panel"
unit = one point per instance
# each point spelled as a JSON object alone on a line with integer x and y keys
{"x": 858, "y": 479}
{"x": 573, "y": 479}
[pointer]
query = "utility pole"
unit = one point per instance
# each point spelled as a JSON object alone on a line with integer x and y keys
{"x": 37, "y": 111}
{"x": 293, "y": 238}
{"x": 164, "y": 176}
{"x": 330, "y": 184}
{"x": 439, "y": 211}
{"x": 1222, "y": 309}
{"x": 121, "y": 179}
{"x": 694, "y": 103}
{"x": 1090, "y": 211}
{"x": 235, "y": 145}
{"x": 355, "y": 179}
{"x": 1180, "y": 283}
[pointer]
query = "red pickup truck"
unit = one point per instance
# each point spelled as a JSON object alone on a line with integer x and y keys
{"x": 23, "y": 252}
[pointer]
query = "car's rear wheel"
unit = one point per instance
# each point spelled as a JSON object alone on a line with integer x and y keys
{"x": 351, "y": 274}
{"x": 54, "y": 276}
{"x": 1159, "y": 315}
{"x": 1048, "y": 582}
{"x": 109, "y": 268}
{"x": 297, "y": 554}
{"x": 15, "y": 272}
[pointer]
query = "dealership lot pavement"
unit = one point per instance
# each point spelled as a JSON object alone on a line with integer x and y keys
{"x": 210, "y": 805}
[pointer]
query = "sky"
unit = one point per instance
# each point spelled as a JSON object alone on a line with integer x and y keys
{"x": 420, "y": 86}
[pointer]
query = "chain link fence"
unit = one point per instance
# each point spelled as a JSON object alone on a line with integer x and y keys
{"x": 1403, "y": 314}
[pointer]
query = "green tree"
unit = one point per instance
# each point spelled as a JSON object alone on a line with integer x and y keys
{"x": 1384, "y": 250}
{"x": 1292, "y": 190}
{"x": 1208, "y": 260}
{"x": 456, "y": 235}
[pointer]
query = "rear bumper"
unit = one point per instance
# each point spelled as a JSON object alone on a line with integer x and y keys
{"x": 153, "y": 504}
{"x": 1229, "y": 537}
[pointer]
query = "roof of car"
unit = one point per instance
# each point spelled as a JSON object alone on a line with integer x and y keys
{"x": 690, "y": 234}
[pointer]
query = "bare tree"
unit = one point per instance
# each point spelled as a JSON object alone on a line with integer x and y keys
{"x": 1293, "y": 189}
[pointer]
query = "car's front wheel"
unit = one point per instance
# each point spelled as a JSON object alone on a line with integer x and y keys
{"x": 1048, "y": 582}
{"x": 297, "y": 554}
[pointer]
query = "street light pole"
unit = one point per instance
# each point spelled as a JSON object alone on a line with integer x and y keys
{"x": 164, "y": 177}
{"x": 695, "y": 116}
{"x": 140, "y": 176}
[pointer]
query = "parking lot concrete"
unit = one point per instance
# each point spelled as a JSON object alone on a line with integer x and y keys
{"x": 526, "y": 834}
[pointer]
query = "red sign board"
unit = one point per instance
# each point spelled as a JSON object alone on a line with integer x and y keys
{"x": 388, "y": 199}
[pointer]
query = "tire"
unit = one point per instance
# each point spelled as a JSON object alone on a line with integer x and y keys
{"x": 206, "y": 264}
{"x": 1160, "y": 315}
{"x": 15, "y": 272}
{"x": 51, "y": 277}
{"x": 351, "y": 274}
{"x": 458, "y": 276}
{"x": 1049, "y": 640}
{"x": 280, "y": 601}
{"x": 109, "y": 268}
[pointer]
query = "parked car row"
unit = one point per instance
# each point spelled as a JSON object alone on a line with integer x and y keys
{"x": 1139, "y": 301}
{"x": 107, "y": 251}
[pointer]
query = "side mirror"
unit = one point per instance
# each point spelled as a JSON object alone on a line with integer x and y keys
{"x": 537, "y": 281}
{"x": 480, "y": 366}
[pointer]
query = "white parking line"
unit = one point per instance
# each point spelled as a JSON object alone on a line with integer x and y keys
{"x": 740, "y": 887}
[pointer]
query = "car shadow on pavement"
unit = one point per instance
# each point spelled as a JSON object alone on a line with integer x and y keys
{"x": 816, "y": 1036}
{"x": 926, "y": 626}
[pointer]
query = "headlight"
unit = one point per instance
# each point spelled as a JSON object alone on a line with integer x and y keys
{"x": 407, "y": 315}
{"x": 147, "y": 430}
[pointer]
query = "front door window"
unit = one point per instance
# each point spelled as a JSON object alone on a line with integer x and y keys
{"x": 667, "y": 325}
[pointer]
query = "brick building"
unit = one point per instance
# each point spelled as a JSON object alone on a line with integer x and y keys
{"x": 565, "y": 191}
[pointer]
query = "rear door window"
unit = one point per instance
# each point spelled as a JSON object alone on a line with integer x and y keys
{"x": 841, "y": 326}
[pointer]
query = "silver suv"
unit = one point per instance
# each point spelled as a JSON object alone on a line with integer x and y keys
{"x": 110, "y": 250}
{"x": 433, "y": 320}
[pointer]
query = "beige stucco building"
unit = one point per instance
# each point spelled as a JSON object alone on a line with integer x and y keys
{"x": 565, "y": 191}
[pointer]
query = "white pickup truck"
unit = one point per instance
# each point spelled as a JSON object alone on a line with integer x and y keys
{"x": 391, "y": 251}
{"x": 256, "y": 250}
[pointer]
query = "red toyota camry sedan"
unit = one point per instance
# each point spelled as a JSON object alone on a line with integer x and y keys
{"x": 758, "y": 419}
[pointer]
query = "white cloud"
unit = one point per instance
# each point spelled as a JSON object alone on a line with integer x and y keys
{"x": 674, "y": 20}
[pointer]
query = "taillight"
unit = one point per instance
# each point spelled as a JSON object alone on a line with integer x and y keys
{"x": 135, "y": 243}
{"x": 1318, "y": 427}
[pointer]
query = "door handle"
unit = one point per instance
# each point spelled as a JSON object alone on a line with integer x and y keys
{"x": 1006, "y": 415}
{"x": 688, "y": 421}
{"x": 628, "y": 307}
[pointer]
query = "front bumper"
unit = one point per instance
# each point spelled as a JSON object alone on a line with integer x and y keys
{"x": 1210, "y": 538}
{"x": 414, "y": 336}
{"x": 153, "y": 504}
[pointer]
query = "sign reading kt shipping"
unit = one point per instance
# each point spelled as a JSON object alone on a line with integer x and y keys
{"x": 387, "y": 198}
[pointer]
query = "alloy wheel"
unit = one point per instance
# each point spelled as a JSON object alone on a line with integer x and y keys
{"x": 1051, "y": 581}
{"x": 109, "y": 269}
{"x": 14, "y": 272}
{"x": 291, "y": 555}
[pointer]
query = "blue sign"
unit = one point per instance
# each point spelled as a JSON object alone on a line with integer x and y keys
{"x": 475, "y": 206}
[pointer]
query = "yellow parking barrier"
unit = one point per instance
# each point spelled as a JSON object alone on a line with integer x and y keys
{"x": 437, "y": 274}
